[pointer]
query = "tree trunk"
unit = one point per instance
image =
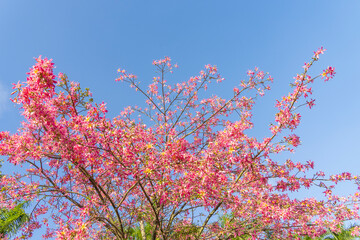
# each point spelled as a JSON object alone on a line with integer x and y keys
{"x": 142, "y": 230}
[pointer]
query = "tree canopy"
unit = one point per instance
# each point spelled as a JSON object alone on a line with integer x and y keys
{"x": 173, "y": 171}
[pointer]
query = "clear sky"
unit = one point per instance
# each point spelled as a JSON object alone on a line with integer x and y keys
{"x": 89, "y": 40}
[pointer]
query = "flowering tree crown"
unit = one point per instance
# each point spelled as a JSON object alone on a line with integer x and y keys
{"x": 178, "y": 171}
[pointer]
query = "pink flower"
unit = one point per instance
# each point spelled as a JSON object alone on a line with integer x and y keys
{"x": 355, "y": 231}
{"x": 318, "y": 53}
{"x": 328, "y": 73}
{"x": 310, "y": 103}
{"x": 293, "y": 140}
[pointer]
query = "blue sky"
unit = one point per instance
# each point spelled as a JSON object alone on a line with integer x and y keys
{"x": 89, "y": 40}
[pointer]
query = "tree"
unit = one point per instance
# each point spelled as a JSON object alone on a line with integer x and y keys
{"x": 342, "y": 233}
{"x": 175, "y": 170}
{"x": 11, "y": 220}
{"x": 345, "y": 233}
